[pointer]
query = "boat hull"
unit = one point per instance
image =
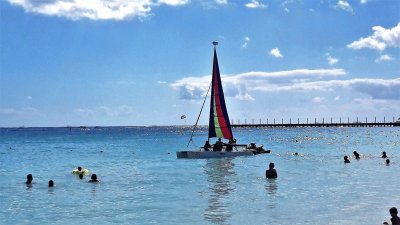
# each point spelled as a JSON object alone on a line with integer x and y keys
{"x": 200, "y": 154}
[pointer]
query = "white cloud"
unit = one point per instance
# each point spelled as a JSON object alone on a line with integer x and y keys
{"x": 385, "y": 57}
{"x": 318, "y": 99}
{"x": 255, "y": 4}
{"x": 95, "y": 9}
{"x": 331, "y": 60}
{"x": 337, "y": 98}
{"x": 275, "y": 53}
{"x": 240, "y": 86}
{"x": 363, "y": 1}
{"x": 221, "y": 2}
{"x": 380, "y": 39}
{"x": 173, "y": 2}
{"x": 29, "y": 97}
{"x": 162, "y": 82}
{"x": 246, "y": 42}
{"x": 344, "y": 5}
{"x": 237, "y": 86}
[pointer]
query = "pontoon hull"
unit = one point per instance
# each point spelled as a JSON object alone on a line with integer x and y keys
{"x": 210, "y": 154}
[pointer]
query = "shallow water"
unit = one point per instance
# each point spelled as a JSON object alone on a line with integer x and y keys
{"x": 142, "y": 184}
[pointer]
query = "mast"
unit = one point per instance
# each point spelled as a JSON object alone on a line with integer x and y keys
{"x": 219, "y": 125}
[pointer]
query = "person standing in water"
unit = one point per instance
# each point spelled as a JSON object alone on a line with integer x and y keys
{"x": 395, "y": 219}
{"x": 356, "y": 155}
{"x": 51, "y": 183}
{"x": 29, "y": 179}
{"x": 346, "y": 159}
{"x": 271, "y": 172}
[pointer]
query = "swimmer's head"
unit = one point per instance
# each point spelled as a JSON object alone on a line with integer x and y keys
{"x": 94, "y": 177}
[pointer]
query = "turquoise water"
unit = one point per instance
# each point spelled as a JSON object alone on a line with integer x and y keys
{"x": 142, "y": 184}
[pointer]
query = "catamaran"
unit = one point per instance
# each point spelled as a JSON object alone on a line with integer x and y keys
{"x": 219, "y": 126}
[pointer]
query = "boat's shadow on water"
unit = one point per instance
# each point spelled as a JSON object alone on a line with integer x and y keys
{"x": 220, "y": 173}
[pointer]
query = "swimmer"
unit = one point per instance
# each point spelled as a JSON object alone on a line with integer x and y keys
{"x": 51, "y": 183}
{"x": 387, "y": 162}
{"x": 384, "y": 155}
{"x": 93, "y": 179}
{"x": 346, "y": 159}
{"x": 271, "y": 172}
{"x": 81, "y": 176}
{"x": 29, "y": 179}
{"x": 356, "y": 155}
{"x": 395, "y": 219}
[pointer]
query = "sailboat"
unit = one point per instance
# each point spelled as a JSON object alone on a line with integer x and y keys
{"x": 219, "y": 125}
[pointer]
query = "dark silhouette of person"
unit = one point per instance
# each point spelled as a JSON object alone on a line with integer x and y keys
{"x": 384, "y": 155}
{"x": 94, "y": 178}
{"x": 218, "y": 145}
{"x": 356, "y": 155}
{"x": 387, "y": 162}
{"x": 80, "y": 169}
{"x": 29, "y": 179}
{"x": 81, "y": 176}
{"x": 395, "y": 219}
{"x": 346, "y": 159}
{"x": 51, "y": 183}
{"x": 271, "y": 172}
{"x": 207, "y": 145}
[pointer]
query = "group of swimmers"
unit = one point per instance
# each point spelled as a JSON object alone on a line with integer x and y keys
{"x": 357, "y": 156}
{"x": 79, "y": 171}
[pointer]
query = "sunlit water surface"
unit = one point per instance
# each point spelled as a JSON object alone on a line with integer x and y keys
{"x": 142, "y": 182}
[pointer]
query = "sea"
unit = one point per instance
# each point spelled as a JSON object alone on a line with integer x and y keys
{"x": 142, "y": 181}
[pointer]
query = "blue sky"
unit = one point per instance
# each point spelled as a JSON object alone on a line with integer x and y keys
{"x": 147, "y": 62}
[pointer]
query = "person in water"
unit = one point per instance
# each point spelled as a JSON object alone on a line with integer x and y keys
{"x": 29, "y": 179}
{"x": 81, "y": 176}
{"x": 346, "y": 159}
{"x": 271, "y": 172}
{"x": 395, "y": 219}
{"x": 93, "y": 179}
{"x": 51, "y": 183}
{"x": 384, "y": 155}
{"x": 387, "y": 162}
{"x": 356, "y": 155}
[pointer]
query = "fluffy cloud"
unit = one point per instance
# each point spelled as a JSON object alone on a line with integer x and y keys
{"x": 380, "y": 39}
{"x": 344, "y": 5}
{"x": 331, "y": 60}
{"x": 221, "y": 2}
{"x": 255, "y": 4}
{"x": 384, "y": 58}
{"x": 275, "y": 53}
{"x": 94, "y": 9}
{"x": 241, "y": 86}
{"x": 238, "y": 86}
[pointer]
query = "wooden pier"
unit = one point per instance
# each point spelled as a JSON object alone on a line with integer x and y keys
{"x": 320, "y": 125}
{"x": 289, "y": 124}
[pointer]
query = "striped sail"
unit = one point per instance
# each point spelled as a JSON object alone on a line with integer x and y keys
{"x": 219, "y": 125}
